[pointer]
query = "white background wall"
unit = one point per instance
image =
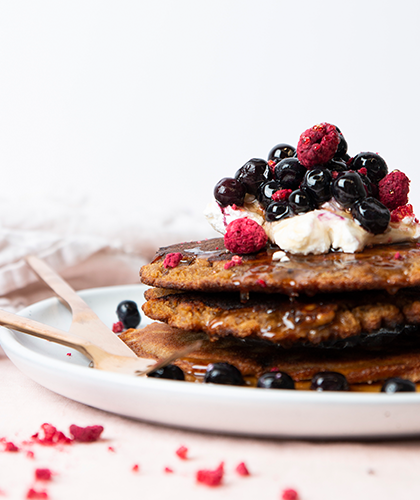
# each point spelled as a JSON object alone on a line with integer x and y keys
{"x": 128, "y": 108}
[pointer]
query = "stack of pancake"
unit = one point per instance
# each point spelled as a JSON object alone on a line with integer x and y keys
{"x": 355, "y": 314}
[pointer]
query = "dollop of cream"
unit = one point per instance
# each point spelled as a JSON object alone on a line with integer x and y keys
{"x": 316, "y": 232}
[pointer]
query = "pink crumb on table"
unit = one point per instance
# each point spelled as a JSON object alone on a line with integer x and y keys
{"x": 289, "y": 494}
{"x": 242, "y": 469}
{"x": 211, "y": 477}
{"x": 43, "y": 474}
{"x": 182, "y": 452}
{"x": 30, "y": 454}
{"x": 168, "y": 470}
{"x": 32, "y": 493}
{"x": 86, "y": 434}
{"x": 135, "y": 468}
{"x": 172, "y": 260}
{"x": 11, "y": 447}
{"x": 50, "y": 436}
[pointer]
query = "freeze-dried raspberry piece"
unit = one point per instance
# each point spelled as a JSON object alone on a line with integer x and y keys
{"x": 211, "y": 477}
{"x": 37, "y": 494}
{"x": 182, "y": 452}
{"x": 118, "y": 327}
{"x": 281, "y": 195}
{"x": 393, "y": 189}
{"x": 43, "y": 474}
{"x": 135, "y": 468}
{"x": 242, "y": 469}
{"x": 399, "y": 213}
{"x": 86, "y": 434}
{"x": 317, "y": 145}
{"x": 51, "y": 436}
{"x": 289, "y": 494}
{"x": 172, "y": 259}
{"x": 244, "y": 236}
{"x": 236, "y": 260}
{"x": 11, "y": 447}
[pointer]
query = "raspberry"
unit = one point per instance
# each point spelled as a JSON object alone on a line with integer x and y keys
{"x": 242, "y": 469}
{"x": 318, "y": 145}
{"x": 272, "y": 165}
{"x": 211, "y": 477}
{"x": 118, "y": 327}
{"x": 36, "y": 494}
{"x": 244, "y": 236}
{"x": 281, "y": 194}
{"x": 172, "y": 260}
{"x": 236, "y": 260}
{"x": 11, "y": 447}
{"x": 86, "y": 434}
{"x": 289, "y": 494}
{"x": 399, "y": 213}
{"x": 182, "y": 452}
{"x": 135, "y": 468}
{"x": 393, "y": 189}
{"x": 43, "y": 474}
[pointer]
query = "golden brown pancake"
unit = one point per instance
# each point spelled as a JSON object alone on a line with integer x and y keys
{"x": 202, "y": 268}
{"x": 399, "y": 358}
{"x": 280, "y": 319}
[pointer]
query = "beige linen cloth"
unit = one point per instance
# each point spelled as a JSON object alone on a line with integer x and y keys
{"x": 138, "y": 460}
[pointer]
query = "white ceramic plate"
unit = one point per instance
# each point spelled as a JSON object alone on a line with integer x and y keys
{"x": 213, "y": 408}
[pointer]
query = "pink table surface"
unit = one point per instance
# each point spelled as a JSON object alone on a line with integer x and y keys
{"x": 318, "y": 470}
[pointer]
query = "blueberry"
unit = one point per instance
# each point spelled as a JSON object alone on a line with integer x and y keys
{"x": 277, "y": 210}
{"x": 300, "y": 202}
{"x": 374, "y": 164}
{"x": 171, "y": 372}
{"x": 290, "y": 173}
{"x": 371, "y": 214}
{"x": 329, "y": 381}
{"x": 254, "y": 173}
{"x": 266, "y": 192}
{"x": 336, "y": 165}
{"x": 281, "y": 151}
{"x": 348, "y": 188}
{"x": 398, "y": 385}
{"x": 128, "y": 314}
{"x": 229, "y": 191}
{"x": 276, "y": 380}
{"x": 223, "y": 373}
{"x": 317, "y": 184}
{"x": 342, "y": 145}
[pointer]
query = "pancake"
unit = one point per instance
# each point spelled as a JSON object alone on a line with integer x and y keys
{"x": 202, "y": 268}
{"x": 362, "y": 367}
{"x": 280, "y": 319}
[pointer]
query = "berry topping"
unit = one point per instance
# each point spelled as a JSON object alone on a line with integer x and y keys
{"x": 280, "y": 152}
{"x": 244, "y": 236}
{"x": 348, "y": 188}
{"x": 374, "y": 164}
{"x": 236, "y": 260}
{"x": 393, "y": 189}
{"x": 400, "y": 213}
{"x": 276, "y": 380}
{"x": 281, "y": 195}
{"x": 128, "y": 314}
{"x": 223, "y": 373}
{"x": 398, "y": 385}
{"x": 318, "y": 145}
{"x": 118, "y": 327}
{"x": 277, "y": 211}
{"x": 300, "y": 202}
{"x": 229, "y": 191}
{"x": 336, "y": 165}
{"x": 253, "y": 174}
{"x": 182, "y": 452}
{"x": 266, "y": 192}
{"x": 170, "y": 372}
{"x": 290, "y": 173}
{"x": 329, "y": 381}
{"x": 372, "y": 215}
{"x": 211, "y": 477}
{"x": 43, "y": 474}
{"x": 86, "y": 434}
{"x": 289, "y": 494}
{"x": 342, "y": 146}
{"x": 172, "y": 260}
{"x": 242, "y": 469}
{"x": 317, "y": 184}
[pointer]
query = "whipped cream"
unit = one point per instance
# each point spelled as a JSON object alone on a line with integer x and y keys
{"x": 315, "y": 232}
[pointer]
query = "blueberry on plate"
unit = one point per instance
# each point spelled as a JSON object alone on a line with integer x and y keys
{"x": 348, "y": 188}
{"x": 254, "y": 173}
{"x": 317, "y": 184}
{"x": 223, "y": 373}
{"x": 329, "y": 381}
{"x": 300, "y": 202}
{"x": 170, "y": 372}
{"x": 375, "y": 165}
{"x": 397, "y": 384}
{"x": 266, "y": 191}
{"x": 128, "y": 314}
{"x": 371, "y": 214}
{"x": 276, "y": 380}
{"x": 229, "y": 191}
{"x": 290, "y": 173}
{"x": 277, "y": 210}
{"x": 280, "y": 152}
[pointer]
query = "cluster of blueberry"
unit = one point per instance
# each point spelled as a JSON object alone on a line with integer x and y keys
{"x": 286, "y": 186}
{"x": 227, "y": 374}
